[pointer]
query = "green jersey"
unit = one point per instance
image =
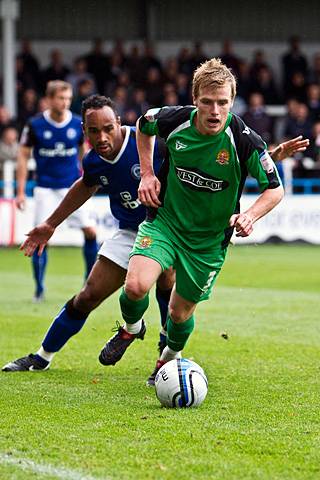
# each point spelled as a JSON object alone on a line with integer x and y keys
{"x": 203, "y": 176}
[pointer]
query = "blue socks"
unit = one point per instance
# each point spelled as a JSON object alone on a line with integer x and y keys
{"x": 39, "y": 268}
{"x": 90, "y": 250}
{"x": 163, "y": 297}
{"x": 67, "y": 323}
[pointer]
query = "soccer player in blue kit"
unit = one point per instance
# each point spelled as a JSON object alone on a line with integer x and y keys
{"x": 113, "y": 163}
{"x": 55, "y": 138}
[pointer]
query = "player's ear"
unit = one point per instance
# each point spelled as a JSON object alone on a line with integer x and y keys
{"x": 118, "y": 119}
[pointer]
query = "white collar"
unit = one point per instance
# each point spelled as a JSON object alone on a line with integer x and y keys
{"x": 62, "y": 124}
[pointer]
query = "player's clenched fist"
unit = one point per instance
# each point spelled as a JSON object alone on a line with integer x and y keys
{"x": 149, "y": 190}
{"x": 243, "y": 224}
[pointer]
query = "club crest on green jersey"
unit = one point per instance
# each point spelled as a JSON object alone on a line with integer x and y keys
{"x": 223, "y": 157}
{"x": 145, "y": 242}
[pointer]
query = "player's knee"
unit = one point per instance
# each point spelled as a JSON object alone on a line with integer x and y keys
{"x": 89, "y": 233}
{"x": 177, "y": 315}
{"x": 135, "y": 288}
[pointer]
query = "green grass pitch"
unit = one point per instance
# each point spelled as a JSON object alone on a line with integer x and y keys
{"x": 80, "y": 420}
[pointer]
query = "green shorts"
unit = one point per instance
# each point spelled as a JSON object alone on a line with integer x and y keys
{"x": 196, "y": 272}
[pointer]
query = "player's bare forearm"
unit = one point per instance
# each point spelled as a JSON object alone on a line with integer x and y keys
{"x": 78, "y": 194}
{"x": 39, "y": 236}
{"x": 243, "y": 222}
{"x": 149, "y": 187}
{"x": 265, "y": 203}
{"x": 145, "y": 146}
{"x": 24, "y": 154}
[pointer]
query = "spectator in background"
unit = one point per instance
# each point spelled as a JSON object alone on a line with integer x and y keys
{"x": 293, "y": 61}
{"x": 297, "y": 88}
{"x": 98, "y": 65}
{"x": 171, "y": 70}
{"x": 138, "y": 102}
{"x": 314, "y": 149}
{"x": 149, "y": 58}
{"x": 56, "y": 70}
{"x": 170, "y": 98}
{"x": 314, "y": 76}
{"x": 116, "y": 70}
{"x": 153, "y": 86}
{"x": 197, "y": 55}
{"x": 86, "y": 88}
{"x": 24, "y": 79}
{"x": 5, "y": 119}
{"x": 120, "y": 98}
{"x": 129, "y": 117}
{"x": 184, "y": 61}
{"x": 307, "y": 165}
{"x": 132, "y": 66}
{"x": 243, "y": 80}
{"x": 229, "y": 58}
{"x": 28, "y": 106}
{"x": 257, "y": 118}
{"x": 259, "y": 61}
{"x": 298, "y": 121}
{"x": 8, "y": 146}
{"x": 313, "y": 100}
{"x": 79, "y": 73}
{"x": 30, "y": 62}
{"x": 183, "y": 89}
{"x": 264, "y": 83}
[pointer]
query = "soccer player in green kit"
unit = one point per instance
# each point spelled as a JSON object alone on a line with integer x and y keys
{"x": 194, "y": 204}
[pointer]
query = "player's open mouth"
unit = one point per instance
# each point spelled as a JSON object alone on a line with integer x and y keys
{"x": 104, "y": 147}
{"x": 213, "y": 122}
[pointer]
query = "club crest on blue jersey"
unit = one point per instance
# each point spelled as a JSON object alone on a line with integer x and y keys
{"x": 104, "y": 180}
{"x": 135, "y": 171}
{"x": 71, "y": 133}
{"x": 47, "y": 134}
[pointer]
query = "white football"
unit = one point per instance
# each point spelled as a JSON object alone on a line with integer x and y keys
{"x": 181, "y": 383}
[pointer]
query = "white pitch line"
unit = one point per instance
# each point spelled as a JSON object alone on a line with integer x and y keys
{"x": 45, "y": 469}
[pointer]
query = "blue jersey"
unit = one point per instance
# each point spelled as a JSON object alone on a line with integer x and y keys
{"x": 120, "y": 178}
{"x": 55, "y": 149}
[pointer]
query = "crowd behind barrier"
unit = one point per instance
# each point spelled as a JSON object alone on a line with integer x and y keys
{"x": 137, "y": 80}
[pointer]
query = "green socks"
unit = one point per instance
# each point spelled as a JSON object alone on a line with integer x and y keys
{"x": 178, "y": 333}
{"x": 132, "y": 310}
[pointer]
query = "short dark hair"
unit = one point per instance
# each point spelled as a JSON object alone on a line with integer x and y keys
{"x": 96, "y": 102}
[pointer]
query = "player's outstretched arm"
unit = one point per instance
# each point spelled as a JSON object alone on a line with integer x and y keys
{"x": 149, "y": 187}
{"x": 24, "y": 154}
{"x": 287, "y": 149}
{"x": 243, "y": 222}
{"x": 39, "y": 236}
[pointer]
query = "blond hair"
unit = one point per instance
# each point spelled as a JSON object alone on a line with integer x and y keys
{"x": 55, "y": 86}
{"x": 213, "y": 73}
